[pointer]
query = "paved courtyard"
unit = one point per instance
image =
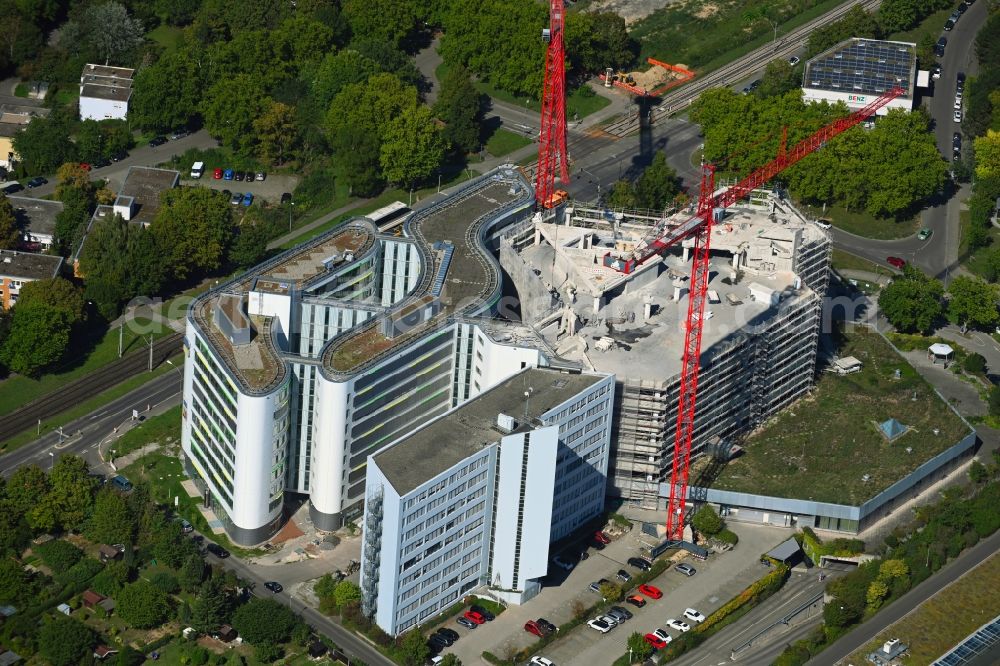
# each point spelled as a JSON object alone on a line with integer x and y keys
{"x": 718, "y": 579}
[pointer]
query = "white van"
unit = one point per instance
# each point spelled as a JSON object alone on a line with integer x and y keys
{"x": 197, "y": 169}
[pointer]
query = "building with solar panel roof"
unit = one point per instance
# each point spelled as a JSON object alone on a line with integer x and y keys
{"x": 857, "y": 71}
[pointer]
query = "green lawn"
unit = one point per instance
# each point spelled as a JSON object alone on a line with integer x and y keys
{"x": 16, "y": 391}
{"x": 163, "y": 429}
{"x": 945, "y": 619}
{"x": 21, "y": 90}
{"x": 705, "y": 36}
{"x": 929, "y": 26}
{"x": 66, "y": 95}
{"x": 164, "y": 473}
{"x": 847, "y": 261}
{"x": 503, "y": 142}
{"x": 862, "y": 224}
{"x": 976, "y": 260}
{"x": 167, "y": 36}
{"x": 836, "y": 428}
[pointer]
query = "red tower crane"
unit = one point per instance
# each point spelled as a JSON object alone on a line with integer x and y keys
{"x": 700, "y": 227}
{"x": 552, "y": 141}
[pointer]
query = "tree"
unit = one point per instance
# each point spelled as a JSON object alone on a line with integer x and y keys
{"x": 192, "y": 229}
{"x": 192, "y": 572}
{"x": 120, "y": 261}
{"x": 276, "y": 132}
{"x": 25, "y": 486}
{"x": 973, "y": 301}
{"x": 623, "y": 195}
{"x": 878, "y": 590}
{"x": 987, "y": 149}
{"x": 267, "y": 653}
{"x": 912, "y": 302}
{"x": 263, "y": 621}
{"x": 249, "y": 245}
{"x": 14, "y": 530}
{"x": 707, "y": 521}
{"x": 66, "y": 642}
{"x": 638, "y": 648}
{"x": 69, "y": 499}
{"x": 111, "y": 31}
{"x": 72, "y": 176}
{"x": 413, "y": 648}
{"x": 230, "y": 107}
{"x": 142, "y": 605}
{"x": 44, "y": 144}
{"x": 459, "y": 108}
{"x": 167, "y": 93}
{"x": 450, "y": 660}
{"x": 974, "y": 363}
{"x": 10, "y": 230}
{"x": 111, "y": 521}
{"x": 338, "y": 70}
{"x": 358, "y": 160}
{"x": 57, "y": 293}
{"x": 114, "y": 577}
{"x": 412, "y": 147}
{"x": 58, "y": 555}
{"x": 165, "y": 581}
{"x": 38, "y": 337}
{"x": 611, "y": 591}
{"x": 388, "y": 21}
{"x": 211, "y": 607}
{"x": 346, "y": 592}
{"x": 15, "y": 584}
{"x": 779, "y": 77}
{"x": 658, "y": 184}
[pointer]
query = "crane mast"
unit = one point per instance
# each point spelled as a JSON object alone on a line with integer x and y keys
{"x": 552, "y": 158}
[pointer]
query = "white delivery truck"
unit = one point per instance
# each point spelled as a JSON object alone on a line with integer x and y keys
{"x": 197, "y": 169}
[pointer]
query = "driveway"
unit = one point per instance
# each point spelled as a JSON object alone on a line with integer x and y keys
{"x": 718, "y": 579}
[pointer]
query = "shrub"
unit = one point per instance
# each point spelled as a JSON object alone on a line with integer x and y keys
{"x": 81, "y": 572}
{"x": 165, "y": 582}
{"x": 707, "y": 521}
{"x": 728, "y": 536}
{"x": 58, "y": 555}
{"x": 974, "y": 363}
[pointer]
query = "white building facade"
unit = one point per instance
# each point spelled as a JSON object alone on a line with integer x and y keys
{"x": 474, "y": 498}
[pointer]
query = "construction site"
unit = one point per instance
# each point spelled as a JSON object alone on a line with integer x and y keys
{"x": 769, "y": 271}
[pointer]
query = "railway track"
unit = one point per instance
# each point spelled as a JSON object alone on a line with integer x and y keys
{"x": 737, "y": 70}
{"x": 87, "y": 386}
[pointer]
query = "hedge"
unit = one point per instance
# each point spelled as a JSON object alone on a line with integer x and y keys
{"x": 815, "y": 548}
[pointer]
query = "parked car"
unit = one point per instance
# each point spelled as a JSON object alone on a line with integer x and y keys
{"x": 546, "y": 626}
{"x": 650, "y": 591}
{"x": 532, "y": 628}
{"x": 248, "y": 199}
{"x": 924, "y": 234}
{"x": 442, "y": 638}
{"x": 755, "y": 84}
{"x": 85, "y": 166}
{"x": 260, "y": 176}
{"x": 239, "y": 175}
{"x": 636, "y": 601}
{"x": 960, "y": 81}
{"x": 936, "y": 72}
{"x": 685, "y": 569}
{"x": 942, "y": 42}
{"x": 217, "y": 174}
{"x": 178, "y": 134}
{"x": 562, "y": 564}
{"x": 663, "y": 635}
{"x": 449, "y": 633}
{"x": 655, "y": 641}
{"x": 217, "y": 550}
{"x": 609, "y": 620}
{"x": 286, "y": 197}
{"x": 121, "y": 483}
{"x": 37, "y": 181}
{"x": 949, "y": 24}
{"x": 228, "y": 174}
{"x": 274, "y": 586}
{"x": 101, "y": 162}
{"x": 467, "y": 623}
{"x": 793, "y": 61}
{"x": 597, "y": 545}
{"x": 602, "y": 536}
{"x": 639, "y": 563}
{"x": 12, "y": 188}
{"x": 186, "y": 527}
{"x": 157, "y": 141}
{"x": 437, "y": 642}
{"x": 678, "y": 625}
{"x": 482, "y": 611}
{"x": 619, "y": 613}
{"x": 956, "y": 141}
{"x": 119, "y": 156}
{"x": 597, "y": 625}
{"x": 623, "y": 576}
{"x": 540, "y": 661}
{"x": 961, "y": 8}
{"x": 957, "y": 117}
{"x": 474, "y": 617}
{"x": 693, "y": 615}
{"x": 596, "y": 585}
{"x": 236, "y": 198}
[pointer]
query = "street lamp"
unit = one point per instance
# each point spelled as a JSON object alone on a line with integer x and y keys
{"x": 290, "y": 207}
{"x": 774, "y": 44}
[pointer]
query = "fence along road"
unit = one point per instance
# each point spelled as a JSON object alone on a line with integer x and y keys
{"x": 683, "y": 96}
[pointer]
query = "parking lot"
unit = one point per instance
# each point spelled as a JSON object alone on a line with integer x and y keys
{"x": 269, "y": 190}
{"x": 719, "y": 579}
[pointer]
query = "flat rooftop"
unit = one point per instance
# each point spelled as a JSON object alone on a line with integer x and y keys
{"x": 36, "y": 215}
{"x": 28, "y": 265}
{"x": 258, "y": 365}
{"x": 101, "y": 91}
{"x": 449, "y": 439}
{"x": 863, "y": 66}
{"x": 470, "y": 278}
{"x": 107, "y": 70}
{"x": 145, "y": 185}
{"x": 836, "y": 428}
{"x": 13, "y": 117}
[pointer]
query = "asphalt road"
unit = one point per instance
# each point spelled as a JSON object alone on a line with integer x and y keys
{"x": 83, "y": 436}
{"x": 918, "y": 595}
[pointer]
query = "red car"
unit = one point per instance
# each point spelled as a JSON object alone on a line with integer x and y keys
{"x": 599, "y": 535}
{"x": 636, "y": 601}
{"x": 895, "y": 262}
{"x": 532, "y": 628}
{"x": 217, "y": 174}
{"x": 85, "y": 166}
{"x": 473, "y": 616}
{"x": 650, "y": 591}
{"x": 655, "y": 641}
